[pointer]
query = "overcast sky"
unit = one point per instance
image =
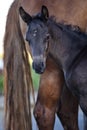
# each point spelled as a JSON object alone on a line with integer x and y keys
{"x": 4, "y": 6}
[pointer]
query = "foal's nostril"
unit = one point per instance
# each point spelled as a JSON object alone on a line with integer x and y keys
{"x": 42, "y": 64}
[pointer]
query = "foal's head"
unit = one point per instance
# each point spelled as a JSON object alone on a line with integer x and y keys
{"x": 37, "y": 36}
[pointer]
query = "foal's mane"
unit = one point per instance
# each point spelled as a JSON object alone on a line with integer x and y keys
{"x": 74, "y": 29}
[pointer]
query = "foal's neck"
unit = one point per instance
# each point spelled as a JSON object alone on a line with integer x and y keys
{"x": 65, "y": 44}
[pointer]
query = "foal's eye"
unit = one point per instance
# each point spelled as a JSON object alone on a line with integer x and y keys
{"x": 34, "y": 33}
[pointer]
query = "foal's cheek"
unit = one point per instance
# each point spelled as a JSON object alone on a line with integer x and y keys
{"x": 44, "y": 116}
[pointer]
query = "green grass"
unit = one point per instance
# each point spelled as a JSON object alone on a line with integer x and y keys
{"x": 1, "y": 84}
{"x": 35, "y": 78}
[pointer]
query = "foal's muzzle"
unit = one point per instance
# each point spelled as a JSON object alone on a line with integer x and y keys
{"x": 39, "y": 67}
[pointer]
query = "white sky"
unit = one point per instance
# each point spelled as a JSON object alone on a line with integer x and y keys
{"x": 4, "y": 6}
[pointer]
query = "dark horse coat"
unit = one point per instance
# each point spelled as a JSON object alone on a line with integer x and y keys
{"x": 67, "y": 46}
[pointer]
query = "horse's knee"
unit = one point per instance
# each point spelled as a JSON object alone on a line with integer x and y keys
{"x": 44, "y": 116}
{"x": 38, "y": 111}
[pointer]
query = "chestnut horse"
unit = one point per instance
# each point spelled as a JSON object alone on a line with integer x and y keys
{"x": 73, "y": 12}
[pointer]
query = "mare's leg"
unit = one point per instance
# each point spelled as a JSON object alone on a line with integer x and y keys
{"x": 68, "y": 110}
{"x": 48, "y": 96}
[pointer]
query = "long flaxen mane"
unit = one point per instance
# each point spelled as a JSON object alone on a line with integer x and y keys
{"x": 17, "y": 75}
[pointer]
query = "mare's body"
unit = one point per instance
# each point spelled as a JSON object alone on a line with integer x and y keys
{"x": 73, "y": 12}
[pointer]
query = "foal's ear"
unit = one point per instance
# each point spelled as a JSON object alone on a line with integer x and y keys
{"x": 44, "y": 12}
{"x": 24, "y": 15}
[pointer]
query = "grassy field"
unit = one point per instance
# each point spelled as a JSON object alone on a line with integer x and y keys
{"x": 36, "y": 79}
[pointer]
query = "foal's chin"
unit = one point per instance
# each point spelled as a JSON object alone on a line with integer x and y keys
{"x": 39, "y": 66}
{"x": 38, "y": 71}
